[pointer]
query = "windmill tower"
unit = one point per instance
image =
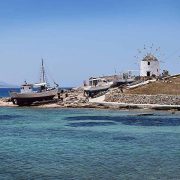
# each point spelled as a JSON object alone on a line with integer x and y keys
{"x": 149, "y": 66}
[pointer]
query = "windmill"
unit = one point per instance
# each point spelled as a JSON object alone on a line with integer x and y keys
{"x": 148, "y": 60}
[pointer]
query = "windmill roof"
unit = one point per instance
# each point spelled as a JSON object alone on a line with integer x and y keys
{"x": 150, "y": 57}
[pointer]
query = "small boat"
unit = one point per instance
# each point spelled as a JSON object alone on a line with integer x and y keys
{"x": 97, "y": 85}
{"x": 30, "y": 93}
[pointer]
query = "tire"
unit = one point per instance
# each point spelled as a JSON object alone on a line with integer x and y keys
{"x": 14, "y": 101}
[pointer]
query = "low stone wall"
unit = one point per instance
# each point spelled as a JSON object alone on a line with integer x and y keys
{"x": 143, "y": 99}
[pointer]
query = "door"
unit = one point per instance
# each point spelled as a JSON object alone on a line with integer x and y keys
{"x": 148, "y": 73}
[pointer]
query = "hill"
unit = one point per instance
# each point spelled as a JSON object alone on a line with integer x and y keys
{"x": 6, "y": 85}
{"x": 169, "y": 85}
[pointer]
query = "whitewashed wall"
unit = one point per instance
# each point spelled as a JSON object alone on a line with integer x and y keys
{"x": 154, "y": 68}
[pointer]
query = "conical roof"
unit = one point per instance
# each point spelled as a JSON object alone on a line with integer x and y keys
{"x": 149, "y": 57}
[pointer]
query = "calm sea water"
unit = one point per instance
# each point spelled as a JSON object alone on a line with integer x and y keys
{"x": 4, "y": 92}
{"x": 88, "y": 144}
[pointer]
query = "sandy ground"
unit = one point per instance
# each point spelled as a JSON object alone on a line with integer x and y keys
{"x": 6, "y": 104}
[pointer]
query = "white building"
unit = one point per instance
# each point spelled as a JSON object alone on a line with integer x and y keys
{"x": 149, "y": 66}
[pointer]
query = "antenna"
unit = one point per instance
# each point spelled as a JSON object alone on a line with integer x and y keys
{"x": 115, "y": 70}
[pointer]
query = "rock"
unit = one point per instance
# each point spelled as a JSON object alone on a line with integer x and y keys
{"x": 116, "y": 96}
{"x": 6, "y": 99}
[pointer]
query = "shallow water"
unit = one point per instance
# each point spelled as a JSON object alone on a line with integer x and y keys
{"x": 88, "y": 144}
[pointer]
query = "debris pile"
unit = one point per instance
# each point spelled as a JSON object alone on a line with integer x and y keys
{"x": 72, "y": 98}
{"x": 5, "y": 99}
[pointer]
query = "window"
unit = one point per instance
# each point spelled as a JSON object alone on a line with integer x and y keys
{"x": 148, "y": 63}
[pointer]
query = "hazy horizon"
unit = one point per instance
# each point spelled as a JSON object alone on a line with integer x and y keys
{"x": 82, "y": 38}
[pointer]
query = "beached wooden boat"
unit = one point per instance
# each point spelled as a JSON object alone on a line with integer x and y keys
{"x": 28, "y": 95}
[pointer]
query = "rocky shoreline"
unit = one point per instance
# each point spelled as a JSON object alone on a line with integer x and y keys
{"x": 115, "y": 98}
{"x": 5, "y": 102}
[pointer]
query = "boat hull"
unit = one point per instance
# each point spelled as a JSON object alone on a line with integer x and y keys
{"x": 93, "y": 91}
{"x": 24, "y": 99}
{"x": 122, "y": 82}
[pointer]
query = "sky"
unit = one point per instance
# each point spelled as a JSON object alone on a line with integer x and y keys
{"x": 82, "y": 38}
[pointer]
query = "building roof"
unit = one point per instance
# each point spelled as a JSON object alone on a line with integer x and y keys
{"x": 149, "y": 57}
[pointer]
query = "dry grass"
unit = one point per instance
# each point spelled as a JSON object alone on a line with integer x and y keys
{"x": 171, "y": 86}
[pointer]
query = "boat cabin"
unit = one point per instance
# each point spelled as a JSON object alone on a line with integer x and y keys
{"x": 27, "y": 88}
{"x": 96, "y": 81}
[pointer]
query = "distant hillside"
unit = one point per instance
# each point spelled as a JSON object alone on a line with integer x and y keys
{"x": 6, "y": 85}
{"x": 170, "y": 86}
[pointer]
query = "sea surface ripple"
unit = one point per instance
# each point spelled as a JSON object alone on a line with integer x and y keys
{"x": 88, "y": 144}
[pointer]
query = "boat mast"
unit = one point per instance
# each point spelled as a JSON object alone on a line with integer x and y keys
{"x": 43, "y": 78}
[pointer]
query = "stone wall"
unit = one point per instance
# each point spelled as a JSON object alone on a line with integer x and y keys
{"x": 117, "y": 96}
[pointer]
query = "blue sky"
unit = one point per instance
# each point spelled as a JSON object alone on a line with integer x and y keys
{"x": 83, "y": 38}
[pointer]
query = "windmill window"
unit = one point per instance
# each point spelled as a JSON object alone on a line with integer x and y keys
{"x": 148, "y": 63}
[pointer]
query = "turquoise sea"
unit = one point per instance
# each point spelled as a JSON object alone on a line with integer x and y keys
{"x": 88, "y": 144}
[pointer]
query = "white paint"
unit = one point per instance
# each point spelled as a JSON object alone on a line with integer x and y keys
{"x": 98, "y": 99}
{"x": 140, "y": 84}
{"x": 26, "y": 88}
{"x": 149, "y": 66}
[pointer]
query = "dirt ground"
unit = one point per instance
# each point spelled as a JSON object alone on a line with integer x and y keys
{"x": 170, "y": 86}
